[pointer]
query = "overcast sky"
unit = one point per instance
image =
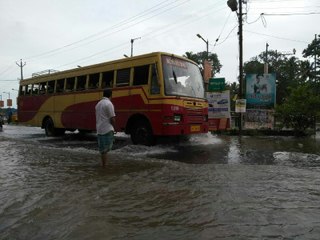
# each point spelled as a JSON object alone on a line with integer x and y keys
{"x": 60, "y": 34}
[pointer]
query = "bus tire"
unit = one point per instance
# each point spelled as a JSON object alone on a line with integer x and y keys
{"x": 141, "y": 134}
{"x": 49, "y": 127}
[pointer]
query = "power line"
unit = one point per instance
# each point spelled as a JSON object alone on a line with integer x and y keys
{"x": 281, "y": 38}
{"x": 150, "y": 34}
{"x": 290, "y": 14}
{"x": 105, "y": 33}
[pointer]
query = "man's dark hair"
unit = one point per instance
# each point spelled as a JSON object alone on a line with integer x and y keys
{"x": 107, "y": 92}
{"x": 259, "y": 75}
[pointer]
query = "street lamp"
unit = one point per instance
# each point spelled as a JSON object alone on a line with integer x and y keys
{"x": 207, "y": 43}
{"x": 132, "y": 40}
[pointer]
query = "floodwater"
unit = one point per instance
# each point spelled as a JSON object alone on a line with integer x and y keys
{"x": 210, "y": 187}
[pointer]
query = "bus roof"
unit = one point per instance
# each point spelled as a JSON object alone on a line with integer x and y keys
{"x": 53, "y": 75}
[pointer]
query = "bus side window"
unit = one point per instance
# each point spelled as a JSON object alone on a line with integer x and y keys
{"x": 35, "y": 89}
{"x": 81, "y": 83}
{"x": 22, "y": 90}
{"x": 43, "y": 88}
{"x": 155, "y": 88}
{"x": 70, "y": 84}
{"x": 141, "y": 75}
{"x": 107, "y": 79}
{"x": 28, "y": 89}
{"x": 123, "y": 77}
{"x": 59, "y": 85}
{"x": 94, "y": 80}
{"x": 51, "y": 86}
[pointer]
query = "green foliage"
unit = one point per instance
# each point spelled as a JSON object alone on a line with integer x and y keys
{"x": 299, "y": 110}
{"x": 201, "y": 56}
{"x": 312, "y": 52}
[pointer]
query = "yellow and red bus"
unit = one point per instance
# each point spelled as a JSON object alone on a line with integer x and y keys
{"x": 156, "y": 94}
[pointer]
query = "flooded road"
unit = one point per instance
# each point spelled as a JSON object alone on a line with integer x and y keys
{"x": 210, "y": 187}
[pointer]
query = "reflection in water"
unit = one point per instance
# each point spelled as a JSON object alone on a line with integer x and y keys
{"x": 210, "y": 187}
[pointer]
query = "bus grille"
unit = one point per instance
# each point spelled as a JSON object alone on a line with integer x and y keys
{"x": 194, "y": 116}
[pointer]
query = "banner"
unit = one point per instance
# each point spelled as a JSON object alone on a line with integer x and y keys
{"x": 219, "y": 104}
{"x": 9, "y": 102}
{"x": 241, "y": 105}
{"x": 259, "y": 119}
{"x": 216, "y": 84}
{"x": 261, "y": 91}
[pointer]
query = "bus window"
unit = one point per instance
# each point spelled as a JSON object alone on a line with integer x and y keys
{"x": 81, "y": 83}
{"x": 35, "y": 89}
{"x": 22, "y": 90}
{"x": 60, "y": 85}
{"x": 43, "y": 88}
{"x": 70, "y": 84}
{"x": 123, "y": 77}
{"x": 141, "y": 75}
{"x": 28, "y": 89}
{"x": 155, "y": 88}
{"x": 94, "y": 80}
{"x": 51, "y": 86}
{"x": 107, "y": 79}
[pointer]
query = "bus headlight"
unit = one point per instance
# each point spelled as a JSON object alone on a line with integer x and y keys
{"x": 177, "y": 118}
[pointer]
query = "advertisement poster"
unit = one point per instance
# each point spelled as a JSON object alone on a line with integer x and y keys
{"x": 219, "y": 104}
{"x": 241, "y": 105}
{"x": 259, "y": 119}
{"x": 261, "y": 91}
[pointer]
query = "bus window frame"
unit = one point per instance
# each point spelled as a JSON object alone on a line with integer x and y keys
{"x": 98, "y": 84}
{"x": 63, "y": 85}
{"x": 77, "y": 89}
{"x": 112, "y": 80}
{"x": 35, "y": 91}
{"x": 134, "y": 74}
{"x": 126, "y": 84}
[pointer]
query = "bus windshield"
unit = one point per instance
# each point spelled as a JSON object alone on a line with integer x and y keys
{"x": 182, "y": 78}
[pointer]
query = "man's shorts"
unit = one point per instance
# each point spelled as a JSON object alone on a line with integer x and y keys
{"x": 105, "y": 142}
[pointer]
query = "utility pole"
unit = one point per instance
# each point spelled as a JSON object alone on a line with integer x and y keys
{"x": 315, "y": 58}
{"x": 21, "y": 65}
{"x": 266, "y": 70}
{"x": 233, "y": 5}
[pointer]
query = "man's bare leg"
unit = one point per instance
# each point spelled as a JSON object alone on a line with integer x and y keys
{"x": 104, "y": 159}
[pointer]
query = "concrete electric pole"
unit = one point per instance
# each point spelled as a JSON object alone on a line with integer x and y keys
{"x": 21, "y": 65}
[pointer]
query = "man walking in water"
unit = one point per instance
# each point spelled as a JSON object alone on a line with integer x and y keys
{"x": 105, "y": 121}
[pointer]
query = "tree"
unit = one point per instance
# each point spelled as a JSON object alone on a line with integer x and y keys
{"x": 300, "y": 110}
{"x": 201, "y": 56}
{"x": 313, "y": 53}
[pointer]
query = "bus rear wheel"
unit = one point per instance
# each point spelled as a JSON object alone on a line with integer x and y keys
{"x": 141, "y": 134}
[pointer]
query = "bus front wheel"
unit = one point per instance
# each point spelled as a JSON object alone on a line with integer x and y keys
{"x": 50, "y": 130}
{"x": 49, "y": 127}
{"x": 142, "y": 134}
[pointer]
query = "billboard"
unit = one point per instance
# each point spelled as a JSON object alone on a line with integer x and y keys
{"x": 219, "y": 104}
{"x": 259, "y": 119}
{"x": 261, "y": 91}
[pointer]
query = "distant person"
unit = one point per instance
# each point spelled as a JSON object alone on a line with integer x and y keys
{"x": 105, "y": 122}
{"x": 1, "y": 123}
{"x": 9, "y": 113}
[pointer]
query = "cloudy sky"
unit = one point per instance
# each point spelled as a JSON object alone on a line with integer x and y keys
{"x": 60, "y": 34}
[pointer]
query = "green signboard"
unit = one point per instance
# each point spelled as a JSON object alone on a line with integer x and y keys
{"x": 216, "y": 84}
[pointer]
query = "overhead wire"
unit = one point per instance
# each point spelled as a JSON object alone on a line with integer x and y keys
{"x": 145, "y": 36}
{"x": 108, "y": 31}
